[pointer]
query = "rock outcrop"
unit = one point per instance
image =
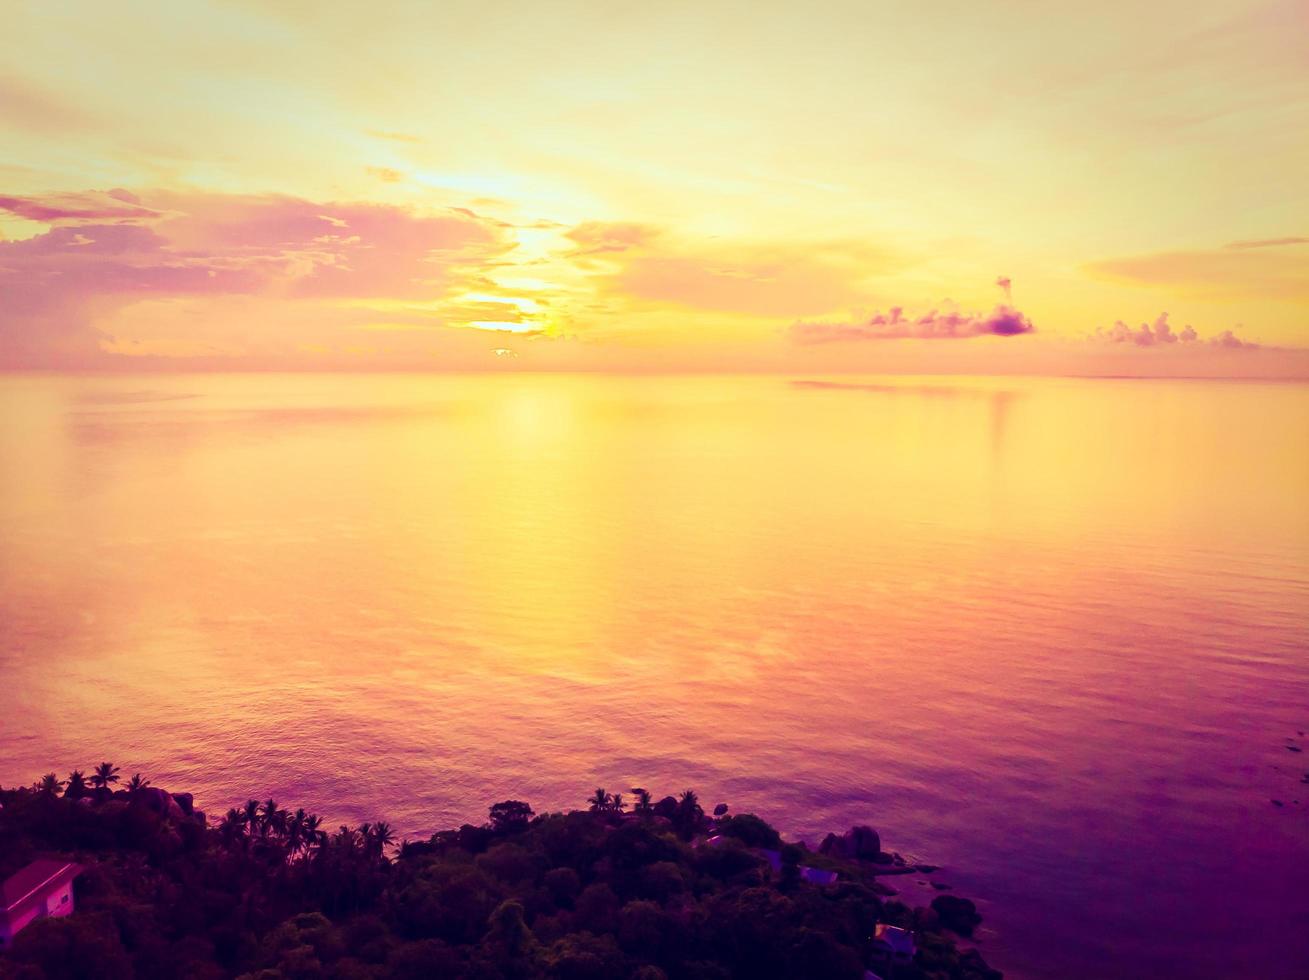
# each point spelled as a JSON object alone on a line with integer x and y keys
{"x": 957, "y": 914}
{"x": 860, "y": 843}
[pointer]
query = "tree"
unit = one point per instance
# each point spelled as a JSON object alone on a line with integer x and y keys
{"x": 314, "y": 836}
{"x": 50, "y": 784}
{"x": 295, "y": 832}
{"x": 616, "y": 803}
{"x": 379, "y": 839}
{"x": 76, "y": 788}
{"x": 643, "y": 804}
{"x": 751, "y": 831}
{"x": 510, "y": 816}
{"x": 232, "y": 827}
{"x": 508, "y": 936}
{"x": 104, "y": 774}
{"x": 274, "y": 819}
{"x": 599, "y": 801}
{"x": 135, "y": 785}
{"x": 689, "y": 814}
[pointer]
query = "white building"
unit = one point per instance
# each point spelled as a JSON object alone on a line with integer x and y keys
{"x": 43, "y": 888}
{"x": 893, "y": 945}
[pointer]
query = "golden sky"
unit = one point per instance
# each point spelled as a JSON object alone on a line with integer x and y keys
{"x": 680, "y": 186}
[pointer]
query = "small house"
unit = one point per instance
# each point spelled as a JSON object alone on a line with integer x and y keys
{"x": 43, "y": 888}
{"x": 893, "y": 945}
{"x": 818, "y": 876}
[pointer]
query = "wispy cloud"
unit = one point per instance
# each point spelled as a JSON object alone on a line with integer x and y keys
{"x": 1264, "y": 269}
{"x": 646, "y": 266}
{"x": 394, "y": 137}
{"x": 114, "y": 205}
{"x": 387, "y": 175}
{"x": 32, "y": 108}
{"x": 1268, "y": 243}
{"x": 601, "y": 237}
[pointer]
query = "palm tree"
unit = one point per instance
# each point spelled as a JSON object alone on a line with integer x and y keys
{"x": 251, "y": 813}
{"x": 50, "y": 784}
{"x": 314, "y": 837}
{"x": 616, "y": 803}
{"x": 600, "y": 801}
{"x": 274, "y": 819}
{"x": 381, "y": 838}
{"x": 347, "y": 840}
{"x": 295, "y": 832}
{"x": 104, "y": 774}
{"x": 689, "y": 814}
{"x": 76, "y": 788}
{"x": 233, "y": 825}
{"x": 643, "y": 804}
{"x": 135, "y": 785}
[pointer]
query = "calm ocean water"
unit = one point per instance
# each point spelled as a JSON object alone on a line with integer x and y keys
{"x": 1052, "y": 635}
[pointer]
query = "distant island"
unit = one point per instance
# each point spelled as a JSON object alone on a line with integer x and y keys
{"x": 641, "y": 890}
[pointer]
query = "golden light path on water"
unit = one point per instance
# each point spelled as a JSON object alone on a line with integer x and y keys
{"x": 1050, "y": 634}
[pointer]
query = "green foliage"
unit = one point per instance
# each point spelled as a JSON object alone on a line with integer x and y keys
{"x": 751, "y": 831}
{"x": 510, "y": 816}
{"x": 268, "y": 894}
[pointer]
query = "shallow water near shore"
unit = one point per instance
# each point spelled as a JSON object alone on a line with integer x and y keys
{"x": 1050, "y": 634}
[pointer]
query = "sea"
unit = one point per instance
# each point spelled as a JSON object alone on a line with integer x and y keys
{"x": 1049, "y": 634}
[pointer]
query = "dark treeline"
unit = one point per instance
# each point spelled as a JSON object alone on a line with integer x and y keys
{"x": 612, "y": 892}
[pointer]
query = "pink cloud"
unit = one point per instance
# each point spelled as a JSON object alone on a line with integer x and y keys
{"x": 1003, "y": 321}
{"x": 1161, "y": 334}
{"x": 87, "y": 206}
{"x": 55, "y": 285}
{"x": 598, "y": 237}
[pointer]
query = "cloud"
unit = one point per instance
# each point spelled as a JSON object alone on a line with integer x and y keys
{"x": 382, "y": 134}
{"x": 600, "y": 237}
{"x": 387, "y": 175}
{"x": 100, "y": 257}
{"x": 642, "y": 268}
{"x": 1268, "y": 243}
{"x": 1242, "y": 269}
{"x": 1161, "y": 334}
{"x": 1003, "y": 321}
{"x": 29, "y": 108}
{"x": 115, "y": 205}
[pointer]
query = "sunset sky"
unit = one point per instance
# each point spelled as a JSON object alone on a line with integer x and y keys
{"x": 700, "y": 186}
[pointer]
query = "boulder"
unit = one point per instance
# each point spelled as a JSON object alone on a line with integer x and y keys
{"x": 974, "y": 966}
{"x": 667, "y": 807}
{"x": 957, "y": 914}
{"x": 160, "y": 801}
{"x": 186, "y": 801}
{"x": 833, "y": 846}
{"x": 861, "y": 843}
{"x": 865, "y": 842}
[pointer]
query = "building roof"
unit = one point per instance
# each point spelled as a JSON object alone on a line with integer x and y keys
{"x": 18, "y": 888}
{"x": 899, "y": 940}
{"x": 818, "y": 876}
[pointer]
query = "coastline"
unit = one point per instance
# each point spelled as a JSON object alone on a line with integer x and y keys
{"x": 657, "y": 889}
